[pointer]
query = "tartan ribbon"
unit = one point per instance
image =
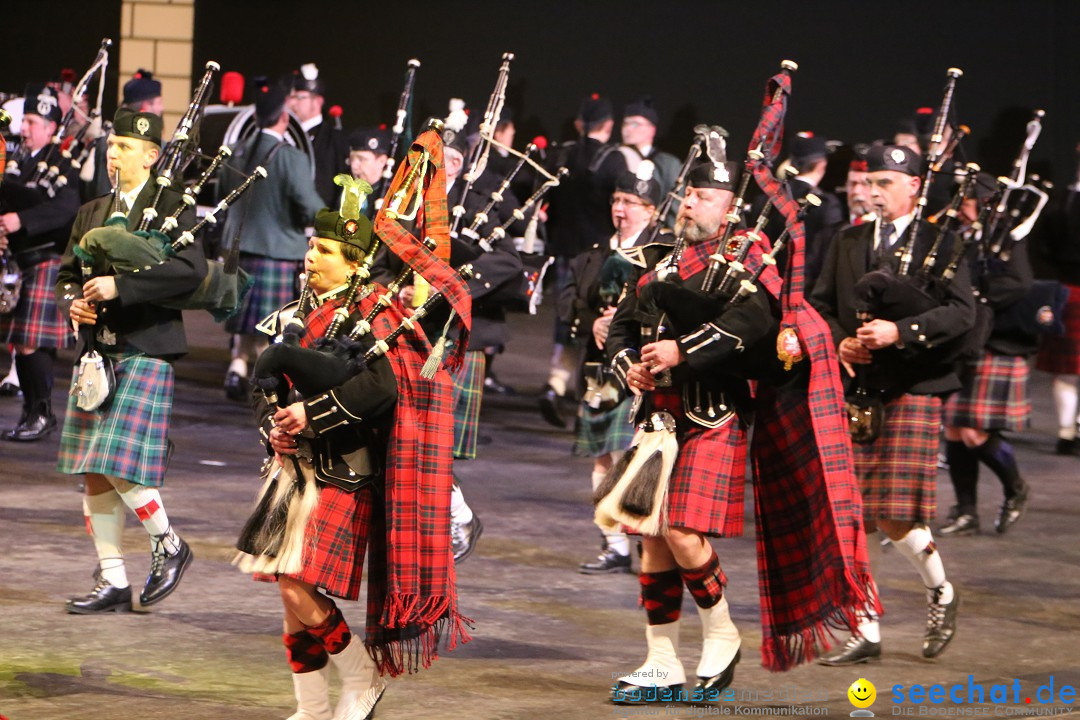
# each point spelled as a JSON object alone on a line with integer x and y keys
{"x": 432, "y": 220}
{"x": 800, "y": 610}
{"x": 412, "y": 595}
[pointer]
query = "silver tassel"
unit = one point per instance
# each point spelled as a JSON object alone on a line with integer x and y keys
{"x": 434, "y": 361}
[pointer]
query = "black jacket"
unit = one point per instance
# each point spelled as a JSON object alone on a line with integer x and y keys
{"x": 133, "y": 316}
{"x": 915, "y": 367}
{"x": 46, "y": 222}
{"x": 710, "y": 380}
{"x": 579, "y": 211}
{"x": 331, "y": 150}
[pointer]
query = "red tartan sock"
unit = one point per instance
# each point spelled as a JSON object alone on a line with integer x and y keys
{"x": 333, "y": 632}
{"x": 305, "y": 652}
{"x": 661, "y": 596}
{"x": 706, "y": 583}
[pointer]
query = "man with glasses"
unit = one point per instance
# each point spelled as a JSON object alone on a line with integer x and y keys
{"x": 640, "y": 119}
{"x": 328, "y": 142}
{"x": 597, "y": 278}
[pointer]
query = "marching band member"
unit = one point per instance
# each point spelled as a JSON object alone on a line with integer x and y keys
{"x": 897, "y": 472}
{"x": 705, "y": 491}
{"x": 328, "y": 143}
{"x": 371, "y": 457}
{"x": 34, "y": 229}
{"x": 604, "y": 430}
{"x": 122, "y": 448}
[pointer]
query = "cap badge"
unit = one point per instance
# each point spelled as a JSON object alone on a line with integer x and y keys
{"x": 373, "y": 143}
{"x": 720, "y": 173}
{"x": 45, "y": 104}
{"x": 142, "y": 125}
{"x": 349, "y": 228}
{"x": 897, "y": 156}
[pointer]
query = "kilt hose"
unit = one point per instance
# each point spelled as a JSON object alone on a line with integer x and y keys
{"x": 36, "y": 320}
{"x": 1060, "y": 354}
{"x": 600, "y": 432}
{"x": 468, "y": 393}
{"x": 128, "y": 437}
{"x": 898, "y": 471}
{"x": 275, "y": 284}
{"x": 994, "y": 396}
{"x": 706, "y": 489}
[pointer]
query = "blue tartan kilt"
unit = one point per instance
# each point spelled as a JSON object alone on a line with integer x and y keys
{"x": 128, "y": 437}
{"x": 468, "y": 392}
{"x": 36, "y": 320}
{"x": 994, "y": 396}
{"x": 600, "y": 432}
{"x": 275, "y": 284}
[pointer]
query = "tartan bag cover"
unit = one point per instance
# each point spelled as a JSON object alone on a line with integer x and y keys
{"x": 813, "y": 568}
{"x": 432, "y": 221}
{"x": 412, "y": 596}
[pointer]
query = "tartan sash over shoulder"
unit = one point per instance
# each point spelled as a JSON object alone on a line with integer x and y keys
{"x": 412, "y": 595}
{"x": 813, "y": 567}
{"x": 432, "y": 221}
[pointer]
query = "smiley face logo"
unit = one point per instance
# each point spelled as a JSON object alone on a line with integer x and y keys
{"x": 862, "y": 693}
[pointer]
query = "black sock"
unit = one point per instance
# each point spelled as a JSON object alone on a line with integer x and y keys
{"x": 997, "y": 454}
{"x": 964, "y": 473}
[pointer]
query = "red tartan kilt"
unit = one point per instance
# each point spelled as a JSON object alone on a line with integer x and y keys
{"x": 36, "y": 320}
{"x": 1060, "y": 354}
{"x": 705, "y": 492}
{"x": 335, "y": 541}
{"x": 994, "y": 396}
{"x": 898, "y": 471}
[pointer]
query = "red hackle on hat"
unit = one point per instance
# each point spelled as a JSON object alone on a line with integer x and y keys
{"x": 540, "y": 142}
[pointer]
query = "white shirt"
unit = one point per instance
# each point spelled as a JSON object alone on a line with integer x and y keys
{"x": 130, "y": 197}
{"x": 900, "y": 224}
{"x": 311, "y": 123}
{"x": 276, "y": 135}
{"x": 617, "y": 244}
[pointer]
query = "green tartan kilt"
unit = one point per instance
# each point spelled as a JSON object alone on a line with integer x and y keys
{"x": 128, "y": 437}
{"x": 600, "y": 432}
{"x": 468, "y": 392}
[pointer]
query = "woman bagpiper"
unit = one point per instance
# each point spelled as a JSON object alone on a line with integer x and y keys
{"x": 359, "y": 468}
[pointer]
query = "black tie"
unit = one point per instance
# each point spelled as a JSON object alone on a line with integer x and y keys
{"x": 885, "y": 241}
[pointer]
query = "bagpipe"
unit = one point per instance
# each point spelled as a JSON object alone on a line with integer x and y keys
{"x": 114, "y": 247}
{"x": 334, "y": 357}
{"x": 401, "y": 116}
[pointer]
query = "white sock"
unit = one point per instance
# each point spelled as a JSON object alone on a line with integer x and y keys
{"x": 870, "y": 629}
{"x": 12, "y": 377}
{"x": 460, "y": 512}
{"x": 239, "y": 366}
{"x": 105, "y": 524}
{"x": 1065, "y": 400}
{"x": 919, "y": 548}
{"x": 146, "y": 502}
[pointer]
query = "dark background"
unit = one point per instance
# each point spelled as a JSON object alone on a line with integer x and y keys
{"x": 862, "y": 66}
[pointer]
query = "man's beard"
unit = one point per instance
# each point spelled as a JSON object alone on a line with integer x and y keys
{"x": 695, "y": 232}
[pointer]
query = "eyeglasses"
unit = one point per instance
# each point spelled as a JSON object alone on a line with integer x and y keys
{"x": 633, "y": 123}
{"x": 627, "y": 203}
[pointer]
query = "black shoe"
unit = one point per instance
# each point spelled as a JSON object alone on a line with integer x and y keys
{"x": 549, "y": 408}
{"x": 607, "y": 562}
{"x": 1065, "y": 447}
{"x": 36, "y": 426}
{"x": 102, "y": 599}
{"x": 1012, "y": 509}
{"x": 965, "y": 524}
{"x": 463, "y": 537}
{"x": 709, "y": 689}
{"x": 492, "y": 384}
{"x": 9, "y": 389}
{"x": 236, "y": 387}
{"x": 940, "y": 624}
{"x": 856, "y": 650}
{"x": 165, "y": 572}
{"x": 624, "y": 693}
